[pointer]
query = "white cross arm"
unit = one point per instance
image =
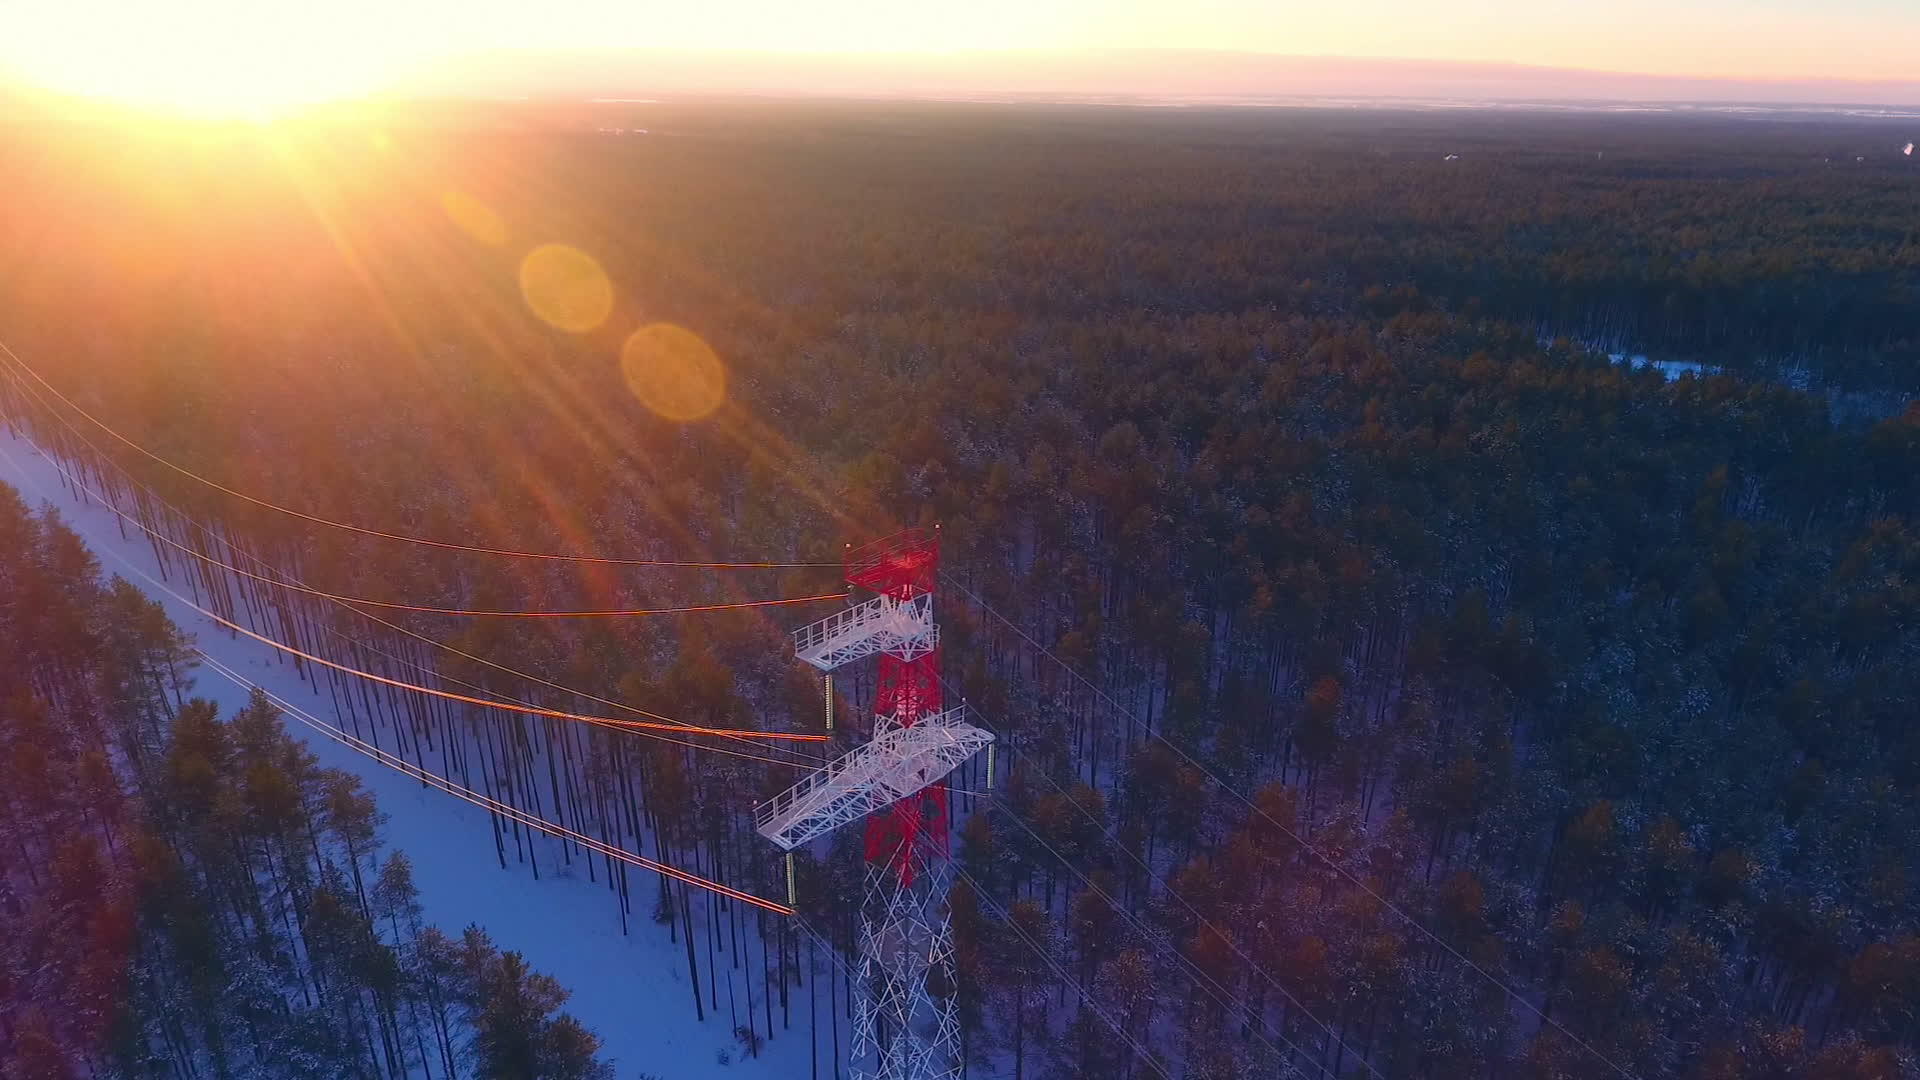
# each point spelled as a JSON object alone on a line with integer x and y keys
{"x": 903, "y": 628}
{"x": 896, "y": 764}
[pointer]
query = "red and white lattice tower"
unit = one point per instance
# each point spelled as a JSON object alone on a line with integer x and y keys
{"x": 906, "y": 1022}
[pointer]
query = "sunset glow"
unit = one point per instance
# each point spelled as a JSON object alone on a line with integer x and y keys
{"x": 206, "y": 57}
{"x": 245, "y": 58}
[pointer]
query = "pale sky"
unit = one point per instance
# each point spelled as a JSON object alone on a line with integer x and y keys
{"x": 312, "y": 48}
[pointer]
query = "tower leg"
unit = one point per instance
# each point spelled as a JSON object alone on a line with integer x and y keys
{"x": 903, "y": 1029}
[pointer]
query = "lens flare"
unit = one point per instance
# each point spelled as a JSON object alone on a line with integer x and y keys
{"x": 673, "y": 372}
{"x": 475, "y": 218}
{"x": 566, "y": 288}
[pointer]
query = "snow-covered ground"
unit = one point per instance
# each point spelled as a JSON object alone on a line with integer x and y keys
{"x": 632, "y": 990}
{"x": 1672, "y": 369}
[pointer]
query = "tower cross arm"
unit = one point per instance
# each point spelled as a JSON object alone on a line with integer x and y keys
{"x": 903, "y": 628}
{"x": 897, "y": 763}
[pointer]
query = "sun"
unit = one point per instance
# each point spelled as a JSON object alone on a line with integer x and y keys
{"x": 243, "y": 58}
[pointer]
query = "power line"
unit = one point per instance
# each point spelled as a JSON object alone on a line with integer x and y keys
{"x": 493, "y": 805}
{"x": 1342, "y": 871}
{"x": 518, "y": 614}
{"x": 444, "y": 784}
{"x": 1166, "y": 886}
{"x": 164, "y": 539}
{"x": 391, "y": 605}
{"x": 1086, "y": 995}
{"x": 1212, "y": 987}
{"x": 534, "y": 710}
{"x": 380, "y": 533}
{"x": 808, "y": 764}
{"x": 674, "y": 724}
{"x": 697, "y": 608}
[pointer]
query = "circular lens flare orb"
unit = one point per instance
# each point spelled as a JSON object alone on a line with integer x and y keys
{"x": 566, "y": 288}
{"x": 673, "y": 372}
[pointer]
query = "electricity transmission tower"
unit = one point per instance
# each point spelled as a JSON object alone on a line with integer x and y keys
{"x": 906, "y": 1019}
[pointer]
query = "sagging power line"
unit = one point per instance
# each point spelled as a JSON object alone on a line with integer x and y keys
{"x": 426, "y": 776}
{"x": 383, "y": 534}
{"x": 277, "y": 576}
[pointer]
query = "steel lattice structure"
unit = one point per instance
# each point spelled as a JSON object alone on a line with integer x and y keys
{"x": 906, "y": 1019}
{"x": 900, "y": 628}
{"x": 899, "y": 762}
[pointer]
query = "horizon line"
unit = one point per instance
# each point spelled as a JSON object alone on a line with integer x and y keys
{"x": 857, "y": 55}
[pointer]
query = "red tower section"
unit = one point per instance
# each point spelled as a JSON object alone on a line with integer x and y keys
{"x": 902, "y": 567}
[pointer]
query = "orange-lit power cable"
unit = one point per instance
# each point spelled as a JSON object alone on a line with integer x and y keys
{"x": 665, "y": 724}
{"x": 363, "y": 530}
{"x": 532, "y": 710}
{"x": 487, "y": 802}
{"x": 626, "y": 725}
{"x": 432, "y": 779}
{"x": 106, "y": 504}
{"x": 559, "y": 614}
{"x": 397, "y": 606}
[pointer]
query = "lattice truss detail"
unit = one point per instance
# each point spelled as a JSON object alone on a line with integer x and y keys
{"x": 898, "y": 762}
{"x": 901, "y": 628}
{"x": 905, "y": 1011}
{"x": 906, "y": 1015}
